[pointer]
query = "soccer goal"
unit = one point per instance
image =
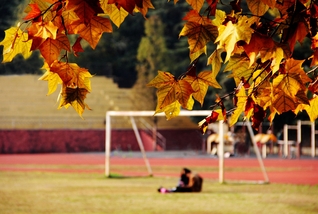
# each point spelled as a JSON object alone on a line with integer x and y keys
{"x": 132, "y": 114}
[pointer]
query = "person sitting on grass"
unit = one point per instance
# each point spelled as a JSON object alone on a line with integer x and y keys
{"x": 187, "y": 183}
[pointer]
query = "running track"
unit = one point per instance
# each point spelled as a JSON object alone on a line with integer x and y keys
{"x": 288, "y": 171}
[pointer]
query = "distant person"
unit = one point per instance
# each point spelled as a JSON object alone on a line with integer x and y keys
{"x": 187, "y": 183}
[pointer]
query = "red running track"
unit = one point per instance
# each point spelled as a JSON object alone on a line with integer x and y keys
{"x": 288, "y": 171}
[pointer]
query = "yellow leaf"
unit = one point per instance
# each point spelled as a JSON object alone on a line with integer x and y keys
{"x": 257, "y": 7}
{"x": 277, "y": 58}
{"x": 220, "y": 16}
{"x": 15, "y": 42}
{"x": 230, "y": 34}
{"x": 117, "y": 15}
{"x": 190, "y": 103}
{"x": 216, "y": 61}
{"x": 53, "y": 80}
{"x": 240, "y": 68}
{"x": 195, "y": 55}
{"x": 262, "y": 96}
{"x": 288, "y": 84}
{"x": 171, "y": 110}
{"x": 200, "y": 84}
{"x": 312, "y": 109}
{"x": 241, "y": 102}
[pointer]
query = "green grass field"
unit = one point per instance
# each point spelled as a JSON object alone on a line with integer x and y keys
{"x": 47, "y": 192}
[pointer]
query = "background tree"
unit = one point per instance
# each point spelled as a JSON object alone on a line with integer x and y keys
{"x": 151, "y": 55}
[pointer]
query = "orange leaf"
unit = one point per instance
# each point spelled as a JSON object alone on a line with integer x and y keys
{"x": 146, "y": 4}
{"x": 196, "y": 4}
{"x": 51, "y": 48}
{"x": 283, "y": 102}
{"x": 293, "y": 66}
{"x": 34, "y": 13}
{"x": 72, "y": 75}
{"x": 162, "y": 79}
{"x": 85, "y": 9}
{"x": 170, "y": 90}
{"x": 199, "y": 32}
{"x": 257, "y": 7}
{"x": 93, "y": 32}
{"x": 198, "y": 35}
{"x": 72, "y": 22}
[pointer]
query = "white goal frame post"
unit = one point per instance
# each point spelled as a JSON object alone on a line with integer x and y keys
{"x": 205, "y": 113}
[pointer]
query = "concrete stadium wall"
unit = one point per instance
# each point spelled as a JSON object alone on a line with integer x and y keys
{"x": 58, "y": 141}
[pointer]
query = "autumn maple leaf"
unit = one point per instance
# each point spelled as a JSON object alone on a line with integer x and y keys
{"x": 199, "y": 31}
{"x": 117, "y": 15}
{"x": 128, "y": 5}
{"x": 257, "y": 7}
{"x": 240, "y": 106}
{"x": 74, "y": 97}
{"x": 94, "y": 30}
{"x": 33, "y": 13}
{"x": 51, "y": 48}
{"x": 200, "y": 84}
{"x": 15, "y": 42}
{"x": 230, "y": 34}
{"x": 171, "y": 90}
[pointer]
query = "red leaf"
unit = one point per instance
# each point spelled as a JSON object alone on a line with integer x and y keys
{"x": 258, "y": 117}
{"x": 212, "y": 7}
{"x": 77, "y": 47}
{"x": 313, "y": 87}
{"x": 211, "y": 119}
{"x": 128, "y": 5}
{"x": 249, "y": 105}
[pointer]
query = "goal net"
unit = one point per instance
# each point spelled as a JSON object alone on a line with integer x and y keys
{"x": 110, "y": 115}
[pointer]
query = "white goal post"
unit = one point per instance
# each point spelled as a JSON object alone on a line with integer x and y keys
{"x": 132, "y": 114}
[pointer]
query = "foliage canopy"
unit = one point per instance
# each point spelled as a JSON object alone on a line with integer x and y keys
{"x": 256, "y": 45}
